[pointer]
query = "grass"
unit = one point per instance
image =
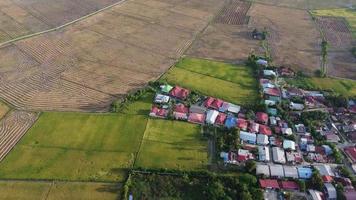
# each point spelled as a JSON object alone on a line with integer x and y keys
{"x": 72, "y": 146}
{"x": 339, "y": 86}
{"x": 57, "y": 190}
{"x": 140, "y": 107}
{"x": 3, "y": 109}
{"x": 172, "y": 145}
{"x": 348, "y": 14}
{"x": 226, "y": 81}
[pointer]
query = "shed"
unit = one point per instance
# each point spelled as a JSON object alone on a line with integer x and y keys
{"x": 211, "y": 116}
{"x": 330, "y": 191}
{"x": 263, "y": 154}
{"x": 179, "y": 92}
{"x": 233, "y": 108}
{"x": 197, "y": 109}
{"x": 324, "y": 170}
{"x": 289, "y": 144}
{"x": 290, "y": 171}
{"x": 262, "y": 62}
{"x": 230, "y": 122}
{"x": 166, "y": 88}
{"x": 276, "y": 171}
{"x": 304, "y": 172}
{"x": 248, "y": 137}
{"x": 265, "y": 130}
{"x": 262, "y": 139}
{"x": 262, "y": 170}
{"x": 289, "y": 185}
{"x": 242, "y": 124}
{"x": 262, "y": 117}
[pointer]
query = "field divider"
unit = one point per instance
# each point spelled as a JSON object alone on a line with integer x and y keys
{"x": 61, "y": 26}
{"x": 139, "y": 147}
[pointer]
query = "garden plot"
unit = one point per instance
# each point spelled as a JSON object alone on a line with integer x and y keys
{"x": 294, "y": 44}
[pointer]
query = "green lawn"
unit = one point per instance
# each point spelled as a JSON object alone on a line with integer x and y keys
{"x": 340, "y": 86}
{"x": 18, "y": 190}
{"x": 348, "y": 14}
{"x": 73, "y": 146}
{"x": 172, "y": 145}
{"x": 226, "y": 81}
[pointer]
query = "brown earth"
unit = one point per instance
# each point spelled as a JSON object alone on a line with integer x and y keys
{"x": 84, "y": 66}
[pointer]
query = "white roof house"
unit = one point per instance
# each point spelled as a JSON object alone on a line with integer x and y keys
{"x": 324, "y": 170}
{"x": 276, "y": 171}
{"x": 270, "y": 102}
{"x": 233, "y": 108}
{"x": 289, "y": 144}
{"x": 248, "y": 137}
{"x": 160, "y": 98}
{"x": 272, "y": 120}
{"x": 330, "y": 191}
{"x": 262, "y": 139}
{"x": 290, "y": 171}
{"x": 263, "y": 154}
{"x": 269, "y": 73}
{"x": 310, "y": 148}
{"x": 296, "y": 106}
{"x": 262, "y": 62}
{"x": 262, "y": 170}
{"x": 211, "y": 116}
{"x": 287, "y": 131}
{"x": 278, "y": 155}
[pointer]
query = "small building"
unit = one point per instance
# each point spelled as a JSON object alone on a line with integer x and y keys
{"x": 196, "y": 118}
{"x": 180, "y": 112}
{"x": 270, "y": 103}
{"x": 230, "y": 122}
{"x": 300, "y": 128}
{"x": 269, "y": 184}
{"x": 158, "y": 112}
{"x": 276, "y": 171}
{"x": 269, "y": 73}
{"x": 272, "y": 121}
{"x": 166, "y": 88}
{"x": 211, "y": 116}
{"x": 244, "y": 155}
{"x": 254, "y": 127}
{"x": 351, "y": 153}
{"x": 272, "y": 111}
{"x": 262, "y": 170}
{"x": 263, "y": 154}
{"x": 242, "y": 124}
{"x": 330, "y": 191}
{"x": 248, "y": 137}
{"x": 278, "y": 155}
{"x": 262, "y": 117}
{"x": 232, "y": 108}
{"x": 214, "y": 103}
{"x": 220, "y": 119}
{"x": 262, "y": 62}
{"x": 289, "y": 144}
{"x": 316, "y": 195}
{"x": 265, "y": 130}
{"x": 333, "y": 138}
{"x": 289, "y": 185}
{"x": 262, "y": 139}
{"x": 179, "y": 93}
{"x": 304, "y": 172}
{"x": 161, "y": 99}
{"x": 324, "y": 170}
{"x": 296, "y": 106}
{"x": 286, "y": 131}
{"x": 290, "y": 172}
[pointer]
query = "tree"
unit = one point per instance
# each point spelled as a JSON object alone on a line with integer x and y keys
{"x": 302, "y": 186}
{"x": 257, "y": 193}
{"x": 340, "y": 192}
{"x": 316, "y": 181}
{"x": 245, "y": 194}
{"x": 216, "y": 190}
{"x": 250, "y": 166}
{"x": 324, "y": 55}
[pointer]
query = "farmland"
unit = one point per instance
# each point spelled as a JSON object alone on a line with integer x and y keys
{"x": 307, "y": 4}
{"x": 85, "y": 66}
{"x": 57, "y": 190}
{"x": 66, "y": 146}
{"x": 234, "y": 13}
{"x": 3, "y": 109}
{"x": 172, "y": 145}
{"x": 234, "y": 83}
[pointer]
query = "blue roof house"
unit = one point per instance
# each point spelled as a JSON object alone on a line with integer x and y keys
{"x": 231, "y": 122}
{"x": 305, "y": 172}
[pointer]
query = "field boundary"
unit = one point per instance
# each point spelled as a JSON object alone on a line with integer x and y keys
{"x": 55, "y": 180}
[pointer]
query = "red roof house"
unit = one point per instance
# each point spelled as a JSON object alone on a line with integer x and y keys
{"x": 272, "y": 92}
{"x": 265, "y": 130}
{"x": 262, "y": 117}
{"x": 158, "y": 112}
{"x": 327, "y": 179}
{"x": 196, "y": 118}
{"x": 211, "y": 102}
{"x": 289, "y": 185}
{"x": 269, "y": 183}
{"x": 179, "y": 92}
{"x": 220, "y": 119}
{"x": 351, "y": 152}
{"x": 208, "y": 102}
{"x": 242, "y": 124}
{"x": 254, "y": 127}
{"x": 180, "y": 111}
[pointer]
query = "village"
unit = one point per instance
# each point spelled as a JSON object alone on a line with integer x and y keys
{"x": 297, "y": 140}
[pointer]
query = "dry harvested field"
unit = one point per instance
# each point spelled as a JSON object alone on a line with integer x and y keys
{"x": 12, "y": 128}
{"x": 295, "y": 44}
{"x": 84, "y": 66}
{"x": 21, "y": 17}
{"x": 234, "y": 13}
{"x": 308, "y": 4}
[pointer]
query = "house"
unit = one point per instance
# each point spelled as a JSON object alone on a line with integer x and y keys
{"x": 269, "y": 73}
{"x": 327, "y": 179}
{"x": 327, "y": 149}
{"x": 197, "y": 109}
{"x": 211, "y": 116}
{"x": 294, "y": 157}
{"x": 351, "y": 153}
{"x": 329, "y": 191}
{"x": 263, "y": 154}
{"x": 211, "y": 102}
{"x": 180, "y": 112}
{"x": 262, "y": 117}
{"x": 272, "y": 121}
{"x": 310, "y": 148}
{"x": 196, "y": 118}
{"x": 272, "y": 111}
{"x": 266, "y": 83}
{"x": 262, "y": 62}
{"x": 304, "y": 172}
{"x": 324, "y": 170}
{"x": 285, "y": 71}
{"x": 242, "y": 124}
{"x": 316, "y": 195}
{"x": 262, "y": 139}
{"x": 278, "y": 155}
{"x": 248, "y": 137}
{"x": 287, "y": 131}
{"x": 254, "y": 127}
{"x": 289, "y": 185}
{"x": 270, "y": 103}
{"x": 332, "y": 138}
{"x": 161, "y": 99}
{"x": 276, "y": 171}
{"x": 265, "y": 130}
{"x": 290, "y": 171}
{"x": 262, "y": 170}
{"x": 179, "y": 93}
{"x": 166, "y": 88}
{"x": 296, "y": 106}
{"x": 269, "y": 184}
{"x": 230, "y": 122}
{"x": 158, "y": 112}
{"x": 272, "y": 92}
{"x": 289, "y": 144}
{"x": 275, "y": 141}
{"x": 220, "y": 119}
{"x": 244, "y": 155}
{"x": 232, "y": 108}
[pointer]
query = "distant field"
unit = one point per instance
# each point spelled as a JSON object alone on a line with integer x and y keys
{"x": 16, "y": 190}
{"x": 69, "y": 146}
{"x": 3, "y": 109}
{"x": 348, "y": 14}
{"x": 340, "y": 86}
{"x": 172, "y": 145}
{"x": 226, "y": 81}
{"x": 307, "y": 4}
